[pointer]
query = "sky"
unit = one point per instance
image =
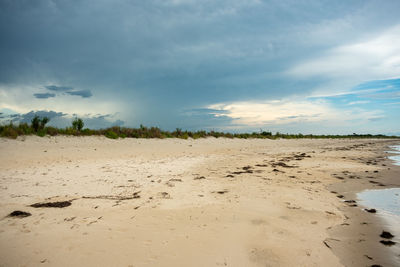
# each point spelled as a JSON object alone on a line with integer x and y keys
{"x": 320, "y": 67}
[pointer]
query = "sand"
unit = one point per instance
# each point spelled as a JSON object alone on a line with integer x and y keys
{"x": 206, "y": 202}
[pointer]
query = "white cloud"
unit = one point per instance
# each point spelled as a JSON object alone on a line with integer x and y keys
{"x": 376, "y": 58}
{"x": 280, "y": 112}
{"x": 358, "y": 102}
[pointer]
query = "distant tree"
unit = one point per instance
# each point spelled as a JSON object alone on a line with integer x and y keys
{"x": 35, "y": 123}
{"x": 43, "y": 122}
{"x": 38, "y": 123}
{"x": 178, "y": 131}
{"x": 265, "y": 133}
{"x": 77, "y": 124}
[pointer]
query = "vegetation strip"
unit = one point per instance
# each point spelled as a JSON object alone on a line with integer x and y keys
{"x": 38, "y": 127}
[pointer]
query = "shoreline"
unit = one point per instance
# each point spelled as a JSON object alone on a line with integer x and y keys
{"x": 220, "y": 202}
{"x": 360, "y": 233}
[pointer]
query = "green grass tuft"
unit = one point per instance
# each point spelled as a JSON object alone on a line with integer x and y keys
{"x": 111, "y": 134}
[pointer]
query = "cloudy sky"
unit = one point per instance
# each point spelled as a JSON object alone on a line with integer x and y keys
{"x": 231, "y": 65}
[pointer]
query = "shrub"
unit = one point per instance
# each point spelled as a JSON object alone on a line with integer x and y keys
{"x": 229, "y": 135}
{"x": 68, "y": 131}
{"x": 35, "y": 123}
{"x": 24, "y": 128}
{"x": 51, "y": 131}
{"x": 184, "y": 135}
{"x": 77, "y": 124}
{"x": 111, "y": 134}
{"x": 264, "y": 133}
{"x": 177, "y": 133}
{"x": 9, "y": 131}
{"x": 88, "y": 132}
{"x": 41, "y": 132}
{"x": 43, "y": 122}
{"x": 38, "y": 123}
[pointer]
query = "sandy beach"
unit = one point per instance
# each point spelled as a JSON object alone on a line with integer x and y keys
{"x": 204, "y": 202}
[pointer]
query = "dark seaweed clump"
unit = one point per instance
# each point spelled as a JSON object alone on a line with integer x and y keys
{"x": 386, "y": 235}
{"x": 58, "y": 204}
{"x": 19, "y": 214}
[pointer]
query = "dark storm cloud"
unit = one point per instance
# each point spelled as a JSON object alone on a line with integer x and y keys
{"x": 82, "y": 93}
{"x": 168, "y": 50}
{"x": 44, "y": 95}
{"x": 101, "y": 122}
{"x": 58, "y": 88}
{"x": 174, "y": 55}
{"x": 60, "y": 119}
{"x": 63, "y": 89}
{"x": 27, "y": 117}
{"x": 204, "y": 118}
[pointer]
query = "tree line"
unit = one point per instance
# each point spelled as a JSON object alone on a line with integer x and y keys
{"x": 38, "y": 127}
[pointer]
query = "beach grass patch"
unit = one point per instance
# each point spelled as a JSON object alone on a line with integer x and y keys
{"x": 111, "y": 135}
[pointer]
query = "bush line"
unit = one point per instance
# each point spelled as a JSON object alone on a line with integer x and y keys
{"x": 13, "y": 131}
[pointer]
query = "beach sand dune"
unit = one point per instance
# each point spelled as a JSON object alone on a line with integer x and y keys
{"x": 92, "y": 201}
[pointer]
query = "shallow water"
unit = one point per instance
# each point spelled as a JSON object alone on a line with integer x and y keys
{"x": 395, "y": 158}
{"x": 384, "y": 200}
{"x": 396, "y": 148}
{"x": 387, "y": 203}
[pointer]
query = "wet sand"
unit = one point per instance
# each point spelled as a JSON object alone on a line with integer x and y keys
{"x": 207, "y": 202}
{"x": 360, "y": 233}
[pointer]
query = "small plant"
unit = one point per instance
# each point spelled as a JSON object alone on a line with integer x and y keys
{"x": 43, "y": 122}
{"x": 177, "y": 133}
{"x": 264, "y": 133}
{"x": 87, "y": 131}
{"x": 9, "y": 131}
{"x": 184, "y": 135}
{"x": 111, "y": 134}
{"x": 77, "y": 124}
{"x": 38, "y": 124}
{"x": 35, "y": 123}
{"x": 41, "y": 132}
{"x": 51, "y": 131}
{"x": 24, "y": 128}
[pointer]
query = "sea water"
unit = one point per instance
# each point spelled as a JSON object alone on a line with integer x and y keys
{"x": 384, "y": 200}
{"x": 387, "y": 205}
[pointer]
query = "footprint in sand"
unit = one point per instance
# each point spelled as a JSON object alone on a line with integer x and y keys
{"x": 164, "y": 195}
